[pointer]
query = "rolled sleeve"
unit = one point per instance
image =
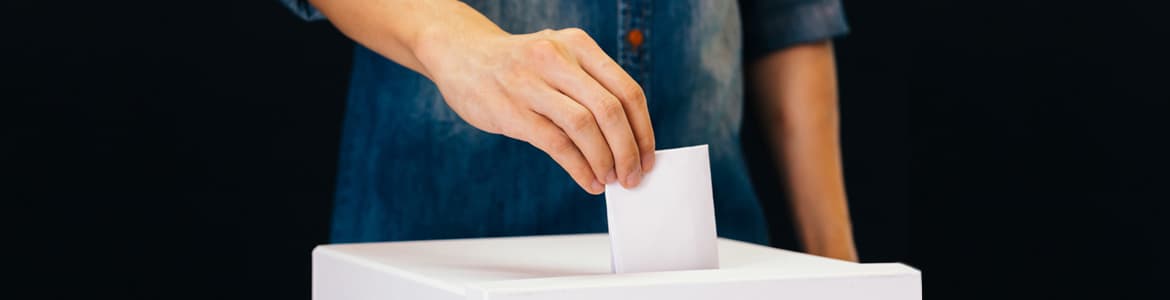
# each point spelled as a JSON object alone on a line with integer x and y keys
{"x": 773, "y": 25}
{"x": 303, "y": 9}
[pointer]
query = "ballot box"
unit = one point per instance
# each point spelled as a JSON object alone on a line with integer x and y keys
{"x": 579, "y": 267}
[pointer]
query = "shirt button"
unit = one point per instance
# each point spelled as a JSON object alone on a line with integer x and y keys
{"x": 635, "y": 38}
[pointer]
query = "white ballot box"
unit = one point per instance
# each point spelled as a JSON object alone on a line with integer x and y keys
{"x": 578, "y": 267}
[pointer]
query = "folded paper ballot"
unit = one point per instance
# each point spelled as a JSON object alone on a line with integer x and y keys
{"x": 667, "y": 222}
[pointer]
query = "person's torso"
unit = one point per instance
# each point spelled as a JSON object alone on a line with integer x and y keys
{"x": 411, "y": 169}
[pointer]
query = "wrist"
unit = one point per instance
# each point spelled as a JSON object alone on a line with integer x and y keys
{"x": 438, "y": 45}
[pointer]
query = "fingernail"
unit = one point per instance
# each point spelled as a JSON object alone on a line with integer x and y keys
{"x": 634, "y": 178}
{"x": 598, "y": 187}
{"x": 611, "y": 177}
{"x": 647, "y": 161}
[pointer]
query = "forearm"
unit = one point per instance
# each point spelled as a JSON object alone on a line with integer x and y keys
{"x": 797, "y": 99}
{"x": 400, "y": 29}
{"x": 555, "y": 89}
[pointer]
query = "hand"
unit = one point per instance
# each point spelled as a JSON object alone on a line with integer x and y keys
{"x": 555, "y": 89}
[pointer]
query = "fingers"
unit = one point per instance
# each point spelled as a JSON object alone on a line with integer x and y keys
{"x": 609, "y": 74}
{"x": 610, "y": 117}
{"x": 608, "y": 112}
{"x": 577, "y": 123}
{"x": 548, "y": 137}
{"x": 583, "y": 110}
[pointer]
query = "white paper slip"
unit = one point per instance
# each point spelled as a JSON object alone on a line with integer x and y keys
{"x": 667, "y": 222}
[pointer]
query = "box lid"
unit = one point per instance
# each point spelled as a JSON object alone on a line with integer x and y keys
{"x": 578, "y": 266}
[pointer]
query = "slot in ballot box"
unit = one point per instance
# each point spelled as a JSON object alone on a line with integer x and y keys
{"x": 578, "y": 267}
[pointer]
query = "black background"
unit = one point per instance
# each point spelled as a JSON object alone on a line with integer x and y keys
{"x": 187, "y": 149}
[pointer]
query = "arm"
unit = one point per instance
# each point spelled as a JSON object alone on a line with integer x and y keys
{"x": 797, "y": 99}
{"x": 556, "y": 90}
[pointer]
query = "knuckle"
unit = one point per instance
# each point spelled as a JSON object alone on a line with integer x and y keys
{"x": 611, "y": 109}
{"x": 646, "y": 144}
{"x": 576, "y": 34}
{"x": 627, "y": 160}
{"x": 557, "y": 144}
{"x": 579, "y": 120}
{"x": 633, "y": 93}
{"x": 542, "y": 50}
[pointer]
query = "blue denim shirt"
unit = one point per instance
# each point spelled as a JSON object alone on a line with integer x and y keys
{"x": 411, "y": 169}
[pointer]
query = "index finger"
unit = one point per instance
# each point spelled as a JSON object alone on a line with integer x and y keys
{"x": 619, "y": 83}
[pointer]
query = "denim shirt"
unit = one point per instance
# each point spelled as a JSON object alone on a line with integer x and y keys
{"x": 411, "y": 169}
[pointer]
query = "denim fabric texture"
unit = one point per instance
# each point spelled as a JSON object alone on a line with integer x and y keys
{"x": 411, "y": 169}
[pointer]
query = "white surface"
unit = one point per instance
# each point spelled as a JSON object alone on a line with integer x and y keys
{"x": 577, "y": 267}
{"x": 667, "y": 222}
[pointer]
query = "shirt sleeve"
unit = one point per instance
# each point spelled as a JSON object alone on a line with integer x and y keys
{"x": 303, "y": 9}
{"x": 771, "y": 25}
